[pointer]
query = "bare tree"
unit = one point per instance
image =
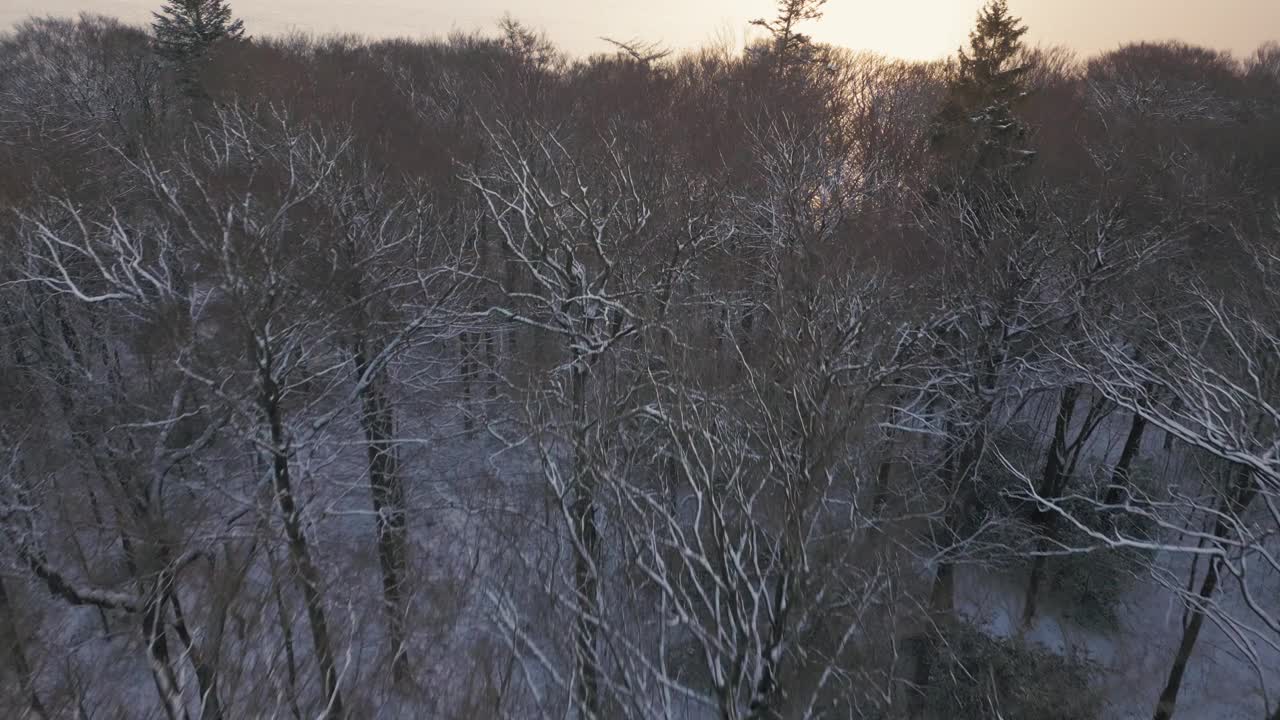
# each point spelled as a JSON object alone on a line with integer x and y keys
{"x": 1206, "y": 379}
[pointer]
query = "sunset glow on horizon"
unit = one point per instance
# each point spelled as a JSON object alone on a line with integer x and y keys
{"x": 914, "y": 29}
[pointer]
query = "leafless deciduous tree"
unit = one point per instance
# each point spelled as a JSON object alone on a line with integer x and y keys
{"x": 466, "y": 378}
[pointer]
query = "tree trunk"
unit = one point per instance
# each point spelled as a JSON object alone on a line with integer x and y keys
{"x": 468, "y": 346}
{"x": 586, "y": 588}
{"x": 584, "y": 568}
{"x": 1051, "y": 486}
{"x": 157, "y": 643}
{"x": 299, "y": 550}
{"x": 206, "y": 674}
{"x": 1169, "y": 696}
{"x": 1239, "y": 496}
{"x": 1169, "y": 437}
{"x": 1034, "y": 581}
{"x": 491, "y": 360}
{"x": 770, "y": 656}
{"x": 1120, "y": 475}
{"x": 955, "y": 471}
{"x": 286, "y": 631}
{"x": 941, "y": 608}
{"x": 390, "y": 513}
{"x": 880, "y": 493}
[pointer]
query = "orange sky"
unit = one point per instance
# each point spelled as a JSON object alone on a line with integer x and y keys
{"x": 908, "y": 28}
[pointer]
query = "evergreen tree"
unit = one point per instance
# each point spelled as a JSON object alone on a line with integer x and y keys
{"x": 791, "y": 45}
{"x": 186, "y": 30}
{"x": 978, "y": 116}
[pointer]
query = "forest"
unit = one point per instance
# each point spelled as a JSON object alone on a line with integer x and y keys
{"x": 350, "y": 378}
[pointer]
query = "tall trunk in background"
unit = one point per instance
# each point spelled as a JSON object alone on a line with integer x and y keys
{"x": 468, "y": 348}
{"x": 286, "y": 635}
{"x": 1242, "y": 491}
{"x": 884, "y": 470}
{"x": 586, "y": 584}
{"x": 491, "y": 361}
{"x": 377, "y": 421}
{"x": 157, "y": 642}
{"x": 941, "y": 608}
{"x": 966, "y": 444}
{"x": 299, "y": 549}
{"x": 1120, "y": 484}
{"x": 956, "y": 471}
{"x": 206, "y": 673}
{"x": 1051, "y": 485}
{"x": 390, "y": 512}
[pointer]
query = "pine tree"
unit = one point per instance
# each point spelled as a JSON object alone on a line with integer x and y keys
{"x": 789, "y": 44}
{"x": 987, "y": 85}
{"x": 979, "y": 140}
{"x": 186, "y": 30}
